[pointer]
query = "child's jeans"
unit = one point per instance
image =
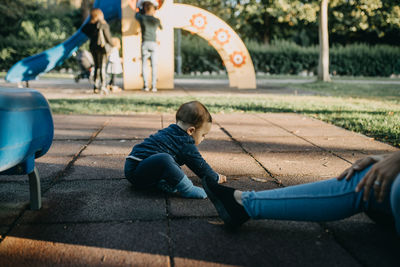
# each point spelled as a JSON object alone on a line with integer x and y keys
{"x": 149, "y": 50}
{"x": 322, "y": 201}
{"x": 148, "y": 172}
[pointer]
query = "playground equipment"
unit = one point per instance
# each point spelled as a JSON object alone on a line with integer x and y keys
{"x": 220, "y": 35}
{"x": 26, "y": 133}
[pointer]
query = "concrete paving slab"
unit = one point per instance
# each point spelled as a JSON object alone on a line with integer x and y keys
{"x": 258, "y": 243}
{"x": 48, "y": 167}
{"x": 369, "y": 243}
{"x": 180, "y": 207}
{"x": 147, "y": 237}
{"x": 110, "y": 147}
{"x": 97, "y": 167}
{"x": 197, "y": 263}
{"x": 297, "y": 167}
{"x": 222, "y": 145}
{"x": 73, "y": 134}
{"x": 265, "y": 144}
{"x": 95, "y": 201}
{"x": 27, "y": 252}
{"x": 14, "y": 198}
{"x": 131, "y": 127}
{"x": 360, "y": 143}
{"x": 167, "y": 119}
{"x": 290, "y": 120}
{"x": 230, "y": 164}
{"x": 65, "y": 148}
{"x": 249, "y": 125}
{"x": 79, "y": 121}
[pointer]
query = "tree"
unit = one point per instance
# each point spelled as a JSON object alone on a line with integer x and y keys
{"x": 86, "y": 5}
{"x": 323, "y": 65}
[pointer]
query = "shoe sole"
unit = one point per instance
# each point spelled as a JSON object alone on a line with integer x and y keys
{"x": 219, "y": 206}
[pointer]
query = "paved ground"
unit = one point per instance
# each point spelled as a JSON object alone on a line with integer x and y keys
{"x": 91, "y": 216}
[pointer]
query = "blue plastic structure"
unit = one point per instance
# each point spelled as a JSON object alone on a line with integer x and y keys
{"x": 26, "y": 133}
{"x": 29, "y": 68}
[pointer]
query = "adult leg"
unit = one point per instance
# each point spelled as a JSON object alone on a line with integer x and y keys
{"x": 111, "y": 83}
{"x": 102, "y": 67}
{"x": 153, "y": 58}
{"x": 162, "y": 168}
{"x": 145, "y": 67}
{"x": 96, "y": 60}
{"x": 320, "y": 201}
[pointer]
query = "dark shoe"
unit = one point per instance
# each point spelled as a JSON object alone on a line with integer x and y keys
{"x": 232, "y": 213}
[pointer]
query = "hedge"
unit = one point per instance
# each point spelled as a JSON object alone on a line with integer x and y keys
{"x": 282, "y": 57}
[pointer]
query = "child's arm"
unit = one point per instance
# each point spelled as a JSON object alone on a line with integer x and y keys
{"x": 197, "y": 164}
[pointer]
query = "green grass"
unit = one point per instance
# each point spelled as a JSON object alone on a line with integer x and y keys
{"x": 354, "y": 90}
{"x": 376, "y": 118}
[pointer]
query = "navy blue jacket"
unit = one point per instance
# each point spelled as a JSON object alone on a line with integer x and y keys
{"x": 177, "y": 143}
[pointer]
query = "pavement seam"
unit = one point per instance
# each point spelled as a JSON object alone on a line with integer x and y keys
{"x": 274, "y": 179}
{"x": 331, "y": 233}
{"x": 171, "y": 251}
{"x": 323, "y": 225}
{"x": 65, "y": 171}
{"x": 305, "y": 139}
{"x": 59, "y": 175}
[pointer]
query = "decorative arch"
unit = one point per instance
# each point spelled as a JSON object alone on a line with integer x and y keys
{"x": 223, "y": 38}
{"x": 214, "y": 30}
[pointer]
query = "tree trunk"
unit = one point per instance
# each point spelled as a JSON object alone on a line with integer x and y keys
{"x": 323, "y": 65}
{"x": 86, "y": 5}
{"x": 267, "y": 29}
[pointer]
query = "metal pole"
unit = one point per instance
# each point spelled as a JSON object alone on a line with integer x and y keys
{"x": 178, "y": 50}
{"x": 178, "y": 53}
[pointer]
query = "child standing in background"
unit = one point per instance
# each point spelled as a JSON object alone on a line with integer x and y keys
{"x": 114, "y": 66}
{"x": 148, "y": 25}
{"x": 156, "y": 161}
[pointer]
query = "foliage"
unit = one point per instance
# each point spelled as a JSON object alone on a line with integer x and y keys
{"x": 283, "y": 57}
{"x": 30, "y": 28}
{"x": 372, "y": 21}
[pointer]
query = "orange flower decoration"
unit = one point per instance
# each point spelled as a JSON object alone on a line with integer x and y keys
{"x": 222, "y": 36}
{"x": 238, "y": 58}
{"x": 199, "y": 21}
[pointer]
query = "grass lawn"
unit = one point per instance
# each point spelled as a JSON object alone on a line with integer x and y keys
{"x": 373, "y": 110}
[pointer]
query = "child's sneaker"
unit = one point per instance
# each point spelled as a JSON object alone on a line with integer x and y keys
{"x": 146, "y": 89}
{"x": 104, "y": 91}
{"x": 154, "y": 89}
{"x": 115, "y": 89}
{"x": 232, "y": 213}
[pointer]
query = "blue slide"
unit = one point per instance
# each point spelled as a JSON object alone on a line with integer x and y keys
{"x": 29, "y": 68}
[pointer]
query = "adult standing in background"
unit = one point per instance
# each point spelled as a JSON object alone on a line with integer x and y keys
{"x": 99, "y": 34}
{"x": 148, "y": 25}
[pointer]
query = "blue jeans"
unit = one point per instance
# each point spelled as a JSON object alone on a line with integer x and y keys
{"x": 322, "y": 201}
{"x": 149, "y": 50}
{"x": 148, "y": 172}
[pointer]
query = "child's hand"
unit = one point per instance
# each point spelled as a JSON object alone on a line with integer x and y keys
{"x": 221, "y": 179}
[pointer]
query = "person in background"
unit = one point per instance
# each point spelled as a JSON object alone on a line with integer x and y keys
{"x": 148, "y": 25}
{"x": 114, "y": 65}
{"x": 99, "y": 34}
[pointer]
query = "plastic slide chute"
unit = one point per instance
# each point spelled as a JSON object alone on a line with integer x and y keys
{"x": 29, "y": 68}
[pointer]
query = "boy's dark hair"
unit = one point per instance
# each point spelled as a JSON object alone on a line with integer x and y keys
{"x": 193, "y": 113}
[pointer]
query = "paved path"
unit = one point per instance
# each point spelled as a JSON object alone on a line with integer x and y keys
{"x": 91, "y": 216}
